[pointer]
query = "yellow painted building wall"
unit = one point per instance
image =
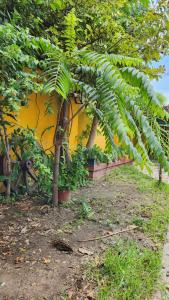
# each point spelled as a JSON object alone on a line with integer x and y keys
{"x": 34, "y": 116}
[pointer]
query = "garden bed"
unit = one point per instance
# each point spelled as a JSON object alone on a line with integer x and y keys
{"x": 99, "y": 170}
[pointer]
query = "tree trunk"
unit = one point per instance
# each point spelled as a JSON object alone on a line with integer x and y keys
{"x": 93, "y": 132}
{"x": 56, "y": 174}
{"x": 7, "y": 150}
{"x": 58, "y": 141}
{"x": 160, "y": 174}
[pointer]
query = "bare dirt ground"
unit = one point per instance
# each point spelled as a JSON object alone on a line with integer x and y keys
{"x": 31, "y": 268}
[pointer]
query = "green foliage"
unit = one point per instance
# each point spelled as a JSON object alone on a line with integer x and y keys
{"x": 69, "y": 32}
{"x": 85, "y": 210}
{"x": 136, "y": 28}
{"x": 25, "y": 143}
{"x": 17, "y": 82}
{"x": 97, "y": 154}
{"x": 74, "y": 175}
{"x": 119, "y": 94}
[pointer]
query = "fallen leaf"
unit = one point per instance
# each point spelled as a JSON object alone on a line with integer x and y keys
{"x": 24, "y": 230}
{"x": 70, "y": 295}
{"x": 7, "y": 253}
{"x": 107, "y": 232}
{"x": 19, "y": 259}
{"x": 2, "y": 242}
{"x": 91, "y": 295}
{"x": 85, "y": 251}
{"x": 46, "y": 260}
{"x": 35, "y": 225}
{"x": 22, "y": 250}
{"x": 68, "y": 231}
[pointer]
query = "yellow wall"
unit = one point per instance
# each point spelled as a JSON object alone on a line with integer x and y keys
{"x": 34, "y": 116}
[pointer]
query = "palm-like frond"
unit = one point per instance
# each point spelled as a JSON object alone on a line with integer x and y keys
{"x": 58, "y": 76}
{"x": 69, "y": 32}
{"x": 120, "y": 95}
{"x": 140, "y": 80}
{"x": 96, "y": 59}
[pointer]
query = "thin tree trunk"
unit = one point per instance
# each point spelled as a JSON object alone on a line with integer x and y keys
{"x": 7, "y": 150}
{"x": 58, "y": 142}
{"x": 56, "y": 174}
{"x": 65, "y": 149}
{"x": 160, "y": 174}
{"x": 93, "y": 132}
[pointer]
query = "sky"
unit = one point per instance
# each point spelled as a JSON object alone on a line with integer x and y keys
{"x": 162, "y": 85}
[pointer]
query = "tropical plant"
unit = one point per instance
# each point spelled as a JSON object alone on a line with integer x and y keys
{"x": 114, "y": 88}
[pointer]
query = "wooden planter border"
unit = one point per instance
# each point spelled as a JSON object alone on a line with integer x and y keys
{"x": 99, "y": 170}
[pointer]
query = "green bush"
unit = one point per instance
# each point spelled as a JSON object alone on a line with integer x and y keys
{"x": 74, "y": 175}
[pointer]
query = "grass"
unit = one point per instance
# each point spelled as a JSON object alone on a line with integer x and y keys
{"x": 144, "y": 182}
{"x": 130, "y": 271}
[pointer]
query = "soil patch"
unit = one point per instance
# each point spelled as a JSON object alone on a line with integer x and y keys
{"x": 31, "y": 268}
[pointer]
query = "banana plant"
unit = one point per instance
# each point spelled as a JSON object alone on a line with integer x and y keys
{"x": 115, "y": 90}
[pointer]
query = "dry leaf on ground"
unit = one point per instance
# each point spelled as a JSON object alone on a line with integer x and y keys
{"x": 85, "y": 251}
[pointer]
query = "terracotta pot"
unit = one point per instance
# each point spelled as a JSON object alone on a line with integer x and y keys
{"x": 64, "y": 196}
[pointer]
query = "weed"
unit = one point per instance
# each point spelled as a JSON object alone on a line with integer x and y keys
{"x": 86, "y": 211}
{"x": 138, "y": 222}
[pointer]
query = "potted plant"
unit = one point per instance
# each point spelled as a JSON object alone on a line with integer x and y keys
{"x": 95, "y": 155}
{"x": 66, "y": 183}
{"x": 99, "y": 162}
{"x": 71, "y": 176}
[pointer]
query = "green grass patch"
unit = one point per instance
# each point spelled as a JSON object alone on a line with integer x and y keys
{"x": 131, "y": 174}
{"x": 156, "y": 224}
{"x": 128, "y": 272}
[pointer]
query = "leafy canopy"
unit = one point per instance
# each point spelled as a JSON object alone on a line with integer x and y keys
{"x": 17, "y": 82}
{"x": 114, "y": 88}
{"x": 138, "y": 28}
